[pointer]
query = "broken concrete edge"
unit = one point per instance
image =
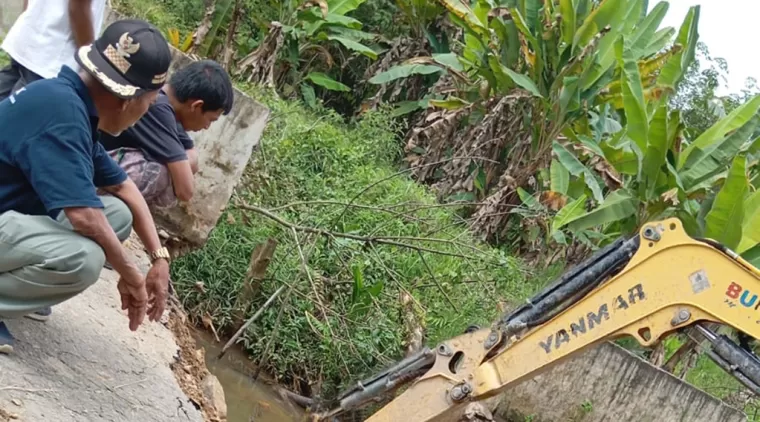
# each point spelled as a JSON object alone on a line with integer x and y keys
{"x": 189, "y": 368}
{"x": 224, "y": 151}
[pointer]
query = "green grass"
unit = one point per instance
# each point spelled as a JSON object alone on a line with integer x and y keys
{"x": 162, "y": 13}
{"x": 308, "y": 156}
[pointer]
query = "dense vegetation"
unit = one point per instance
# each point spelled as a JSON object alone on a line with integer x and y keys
{"x": 416, "y": 146}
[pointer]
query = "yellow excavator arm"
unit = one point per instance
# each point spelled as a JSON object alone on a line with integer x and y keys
{"x": 648, "y": 286}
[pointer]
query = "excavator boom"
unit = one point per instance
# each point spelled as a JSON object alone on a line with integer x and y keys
{"x": 655, "y": 283}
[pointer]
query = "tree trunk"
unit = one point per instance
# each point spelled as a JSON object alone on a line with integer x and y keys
{"x": 413, "y": 324}
{"x": 229, "y": 42}
{"x": 658, "y": 354}
{"x": 204, "y": 27}
{"x": 261, "y": 61}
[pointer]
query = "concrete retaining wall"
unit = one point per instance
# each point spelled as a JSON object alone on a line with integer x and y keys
{"x": 609, "y": 384}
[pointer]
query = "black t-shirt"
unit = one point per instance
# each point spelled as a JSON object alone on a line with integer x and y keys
{"x": 158, "y": 134}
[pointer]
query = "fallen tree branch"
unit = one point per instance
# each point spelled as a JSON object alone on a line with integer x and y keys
{"x": 401, "y": 173}
{"x": 249, "y": 322}
{"x": 304, "y": 402}
{"x": 430, "y": 271}
{"x": 326, "y": 233}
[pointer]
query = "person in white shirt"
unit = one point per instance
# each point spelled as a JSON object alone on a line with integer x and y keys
{"x": 45, "y": 38}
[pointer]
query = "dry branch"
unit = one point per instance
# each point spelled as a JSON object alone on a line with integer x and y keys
{"x": 328, "y": 234}
{"x": 250, "y": 321}
{"x": 403, "y": 172}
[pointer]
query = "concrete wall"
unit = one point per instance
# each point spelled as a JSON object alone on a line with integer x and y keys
{"x": 617, "y": 386}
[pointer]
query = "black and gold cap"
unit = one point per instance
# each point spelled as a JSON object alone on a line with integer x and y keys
{"x": 130, "y": 58}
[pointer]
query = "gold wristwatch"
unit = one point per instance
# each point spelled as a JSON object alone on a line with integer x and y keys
{"x": 158, "y": 254}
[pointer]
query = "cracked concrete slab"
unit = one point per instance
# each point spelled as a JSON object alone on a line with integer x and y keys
{"x": 85, "y": 365}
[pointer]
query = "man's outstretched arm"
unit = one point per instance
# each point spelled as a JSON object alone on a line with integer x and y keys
{"x": 92, "y": 223}
{"x": 110, "y": 177}
{"x": 80, "y": 19}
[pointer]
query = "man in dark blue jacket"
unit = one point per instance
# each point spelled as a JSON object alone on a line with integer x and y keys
{"x": 55, "y": 231}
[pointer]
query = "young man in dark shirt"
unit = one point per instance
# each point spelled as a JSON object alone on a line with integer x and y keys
{"x": 157, "y": 153}
{"x": 55, "y": 231}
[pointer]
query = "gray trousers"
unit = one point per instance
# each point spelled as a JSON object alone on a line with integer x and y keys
{"x": 14, "y": 77}
{"x": 44, "y": 262}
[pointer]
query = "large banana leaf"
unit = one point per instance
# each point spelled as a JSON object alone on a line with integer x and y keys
{"x": 567, "y": 11}
{"x": 704, "y": 164}
{"x": 341, "y": 7}
{"x": 610, "y": 12}
{"x": 633, "y": 96}
{"x": 354, "y": 45}
{"x": 660, "y": 40}
{"x": 618, "y": 206}
{"x": 560, "y": 178}
{"x": 676, "y": 67}
{"x": 657, "y": 149}
{"x": 569, "y": 212}
{"x": 576, "y": 168}
{"x": 463, "y": 11}
{"x": 751, "y": 224}
{"x": 403, "y": 71}
{"x": 724, "y": 221}
{"x": 327, "y": 82}
{"x": 736, "y": 119}
{"x": 645, "y": 31}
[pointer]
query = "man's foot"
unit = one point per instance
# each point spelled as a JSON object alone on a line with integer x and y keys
{"x": 6, "y": 340}
{"x": 42, "y": 315}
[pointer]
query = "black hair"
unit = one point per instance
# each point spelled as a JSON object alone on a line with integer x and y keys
{"x": 204, "y": 80}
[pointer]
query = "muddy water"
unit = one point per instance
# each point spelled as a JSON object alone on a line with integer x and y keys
{"x": 247, "y": 401}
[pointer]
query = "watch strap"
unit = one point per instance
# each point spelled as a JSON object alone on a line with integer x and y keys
{"x": 158, "y": 254}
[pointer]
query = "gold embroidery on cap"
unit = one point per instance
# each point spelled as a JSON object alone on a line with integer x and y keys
{"x": 110, "y": 84}
{"x": 159, "y": 79}
{"x": 118, "y": 53}
{"x": 126, "y": 45}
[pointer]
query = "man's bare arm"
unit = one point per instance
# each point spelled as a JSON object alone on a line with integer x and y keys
{"x": 92, "y": 223}
{"x": 26, "y": 4}
{"x": 157, "y": 279}
{"x": 80, "y": 19}
{"x": 142, "y": 220}
{"x": 182, "y": 179}
{"x": 192, "y": 157}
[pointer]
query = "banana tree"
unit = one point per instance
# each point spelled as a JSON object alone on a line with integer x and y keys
{"x": 707, "y": 184}
{"x": 317, "y": 35}
{"x": 524, "y": 74}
